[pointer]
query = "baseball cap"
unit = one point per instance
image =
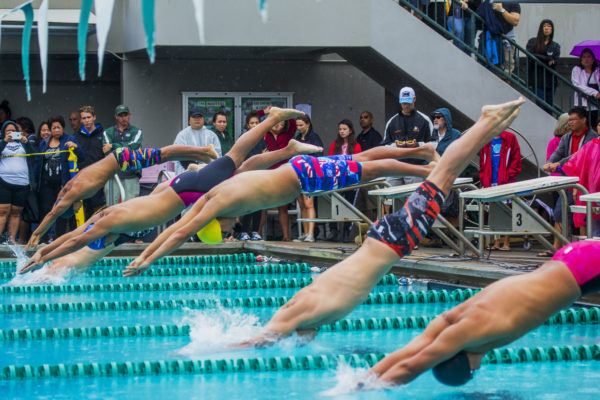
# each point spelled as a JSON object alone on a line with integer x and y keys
{"x": 196, "y": 112}
{"x": 121, "y": 109}
{"x": 407, "y": 95}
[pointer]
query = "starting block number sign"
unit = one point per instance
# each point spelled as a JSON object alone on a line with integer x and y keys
{"x": 332, "y": 208}
{"x": 523, "y": 222}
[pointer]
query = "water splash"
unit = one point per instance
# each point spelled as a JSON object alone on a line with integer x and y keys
{"x": 43, "y": 275}
{"x": 351, "y": 380}
{"x": 217, "y": 329}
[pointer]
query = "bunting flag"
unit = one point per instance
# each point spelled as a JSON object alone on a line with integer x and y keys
{"x": 148, "y": 17}
{"x": 82, "y": 30}
{"x": 0, "y": 33}
{"x": 26, "y": 41}
{"x": 199, "y": 13}
{"x": 104, "y": 11}
{"x": 262, "y": 10}
{"x": 42, "y": 27}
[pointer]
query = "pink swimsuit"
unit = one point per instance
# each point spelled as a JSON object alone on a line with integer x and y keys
{"x": 583, "y": 260}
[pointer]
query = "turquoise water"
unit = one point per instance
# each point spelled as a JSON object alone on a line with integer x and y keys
{"x": 579, "y": 380}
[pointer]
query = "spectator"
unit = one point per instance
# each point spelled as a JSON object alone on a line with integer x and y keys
{"x": 74, "y": 121}
{"x": 51, "y": 171}
{"x": 436, "y": 10}
{"x": 306, "y": 134}
{"x": 443, "y": 132}
{"x": 43, "y": 133}
{"x": 5, "y": 111}
{"x": 277, "y": 138}
{"x": 585, "y": 164}
{"x": 220, "y": 128}
{"x": 196, "y": 134}
{"x": 547, "y": 51}
{"x": 122, "y": 134}
{"x": 509, "y": 14}
{"x": 27, "y": 126}
{"x": 586, "y": 77}
{"x": 408, "y": 128}
{"x": 368, "y": 136}
{"x": 560, "y": 129}
{"x": 89, "y": 139}
{"x": 14, "y": 177}
{"x": 345, "y": 143}
{"x": 500, "y": 163}
{"x": 457, "y": 18}
{"x": 579, "y": 134}
{"x": 251, "y": 222}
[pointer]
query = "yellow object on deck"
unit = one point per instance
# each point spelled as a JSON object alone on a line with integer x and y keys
{"x": 211, "y": 233}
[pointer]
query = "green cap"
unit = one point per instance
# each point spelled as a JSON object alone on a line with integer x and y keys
{"x": 121, "y": 109}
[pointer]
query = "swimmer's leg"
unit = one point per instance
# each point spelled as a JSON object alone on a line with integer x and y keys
{"x": 426, "y": 152}
{"x": 494, "y": 119}
{"x": 393, "y": 168}
{"x": 265, "y": 160}
{"x": 248, "y": 140}
{"x": 177, "y": 152}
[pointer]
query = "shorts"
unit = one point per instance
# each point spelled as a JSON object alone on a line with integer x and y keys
{"x": 15, "y": 195}
{"x": 135, "y": 160}
{"x": 581, "y": 259}
{"x": 326, "y": 173}
{"x": 403, "y": 230}
{"x": 191, "y": 185}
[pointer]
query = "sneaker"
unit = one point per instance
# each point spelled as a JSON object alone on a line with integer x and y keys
{"x": 244, "y": 236}
{"x": 309, "y": 238}
{"x": 255, "y": 236}
{"x": 301, "y": 238}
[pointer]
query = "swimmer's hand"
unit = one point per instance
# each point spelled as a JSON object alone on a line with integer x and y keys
{"x": 33, "y": 264}
{"x": 136, "y": 267}
{"x": 34, "y": 240}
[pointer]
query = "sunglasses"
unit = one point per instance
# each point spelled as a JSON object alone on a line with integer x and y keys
{"x": 437, "y": 117}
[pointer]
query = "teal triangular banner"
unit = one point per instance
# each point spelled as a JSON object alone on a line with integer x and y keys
{"x": 26, "y": 40}
{"x": 148, "y": 16}
{"x": 82, "y": 30}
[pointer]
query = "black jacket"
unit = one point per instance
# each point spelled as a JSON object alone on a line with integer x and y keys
{"x": 369, "y": 139}
{"x": 311, "y": 138}
{"x": 91, "y": 146}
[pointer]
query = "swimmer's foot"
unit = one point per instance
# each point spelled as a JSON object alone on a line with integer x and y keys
{"x": 211, "y": 152}
{"x": 283, "y": 114}
{"x": 427, "y": 152}
{"x": 297, "y": 147}
{"x": 500, "y": 116}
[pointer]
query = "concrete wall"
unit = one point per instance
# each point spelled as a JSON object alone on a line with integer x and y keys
{"x": 336, "y": 90}
{"x": 65, "y": 91}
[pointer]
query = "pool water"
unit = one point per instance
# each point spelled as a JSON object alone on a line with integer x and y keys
{"x": 184, "y": 333}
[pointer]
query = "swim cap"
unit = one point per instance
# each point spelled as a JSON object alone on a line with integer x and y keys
{"x": 211, "y": 233}
{"x": 455, "y": 371}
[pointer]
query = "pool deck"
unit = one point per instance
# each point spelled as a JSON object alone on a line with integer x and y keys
{"x": 425, "y": 263}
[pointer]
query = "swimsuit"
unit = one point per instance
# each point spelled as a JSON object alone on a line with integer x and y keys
{"x": 581, "y": 258}
{"x": 326, "y": 173}
{"x": 130, "y": 160}
{"x": 403, "y": 230}
{"x": 100, "y": 243}
{"x": 191, "y": 185}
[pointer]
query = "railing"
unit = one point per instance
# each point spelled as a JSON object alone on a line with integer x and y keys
{"x": 531, "y": 79}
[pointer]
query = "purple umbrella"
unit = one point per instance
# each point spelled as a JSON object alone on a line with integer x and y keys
{"x": 593, "y": 45}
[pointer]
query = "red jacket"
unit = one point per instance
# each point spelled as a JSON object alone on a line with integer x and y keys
{"x": 282, "y": 140}
{"x": 510, "y": 161}
{"x": 357, "y": 149}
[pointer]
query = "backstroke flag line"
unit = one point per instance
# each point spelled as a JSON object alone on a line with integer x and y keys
{"x": 82, "y": 30}
{"x": 104, "y": 10}
{"x": 42, "y": 31}
{"x": 199, "y": 14}
{"x": 148, "y": 18}
{"x": 25, "y": 44}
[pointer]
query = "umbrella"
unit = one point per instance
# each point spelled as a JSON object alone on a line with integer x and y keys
{"x": 593, "y": 45}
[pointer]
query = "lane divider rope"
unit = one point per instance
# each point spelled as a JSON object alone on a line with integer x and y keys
{"x": 278, "y": 364}
{"x": 571, "y": 316}
{"x": 428, "y": 296}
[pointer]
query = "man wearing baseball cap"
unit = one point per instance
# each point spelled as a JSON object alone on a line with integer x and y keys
{"x": 122, "y": 134}
{"x": 196, "y": 134}
{"x": 408, "y": 128}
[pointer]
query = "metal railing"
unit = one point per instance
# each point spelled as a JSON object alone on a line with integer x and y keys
{"x": 524, "y": 71}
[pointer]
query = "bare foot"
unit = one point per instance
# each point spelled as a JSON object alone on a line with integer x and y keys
{"x": 303, "y": 148}
{"x": 500, "y": 116}
{"x": 427, "y": 152}
{"x": 283, "y": 114}
{"x": 211, "y": 152}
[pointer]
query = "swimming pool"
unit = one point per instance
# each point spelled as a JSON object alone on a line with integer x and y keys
{"x": 166, "y": 334}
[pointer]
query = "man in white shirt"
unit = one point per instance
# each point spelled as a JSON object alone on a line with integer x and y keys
{"x": 196, "y": 134}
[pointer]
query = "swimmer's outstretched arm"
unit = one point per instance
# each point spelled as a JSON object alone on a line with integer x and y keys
{"x": 66, "y": 198}
{"x": 139, "y": 265}
{"x": 184, "y": 230}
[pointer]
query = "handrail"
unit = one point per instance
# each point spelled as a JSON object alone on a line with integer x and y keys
{"x": 523, "y": 85}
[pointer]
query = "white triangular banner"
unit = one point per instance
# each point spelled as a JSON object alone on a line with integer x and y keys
{"x": 42, "y": 32}
{"x": 104, "y": 10}
{"x": 199, "y": 14}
